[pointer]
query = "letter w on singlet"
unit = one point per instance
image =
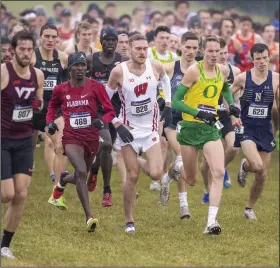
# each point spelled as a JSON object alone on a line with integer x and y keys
{"x": 141, "y": 89}
{"x": 28, "y": 91}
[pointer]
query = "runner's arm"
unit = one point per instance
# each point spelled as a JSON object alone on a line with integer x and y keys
{"x": 54, "y": 104}
{"x": 277, "y": 98}
{"x": 188, "y": 80}
{"x": 105, "y": 101}
{"x": 166, "y": 86}
{"x": 39, "y": 92}
{"x": 113, "y": 82}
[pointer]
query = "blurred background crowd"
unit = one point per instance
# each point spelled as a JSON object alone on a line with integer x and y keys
{"x": 231, "y": 22}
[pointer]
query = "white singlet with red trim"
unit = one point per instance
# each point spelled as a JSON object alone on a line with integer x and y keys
{"x": 138, "y": 94}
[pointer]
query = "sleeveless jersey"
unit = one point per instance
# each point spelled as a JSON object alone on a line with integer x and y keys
{"x": 245, "y": 58}
{"x": 155, "y": 56}
{"x": 204, "y": 94}
{"x": 256, "y": 101}
{"x": 76, "y": 50}
{"x": 222, "y": 111}
{"x": 275, "y": 65}
{"x": 138, "y": 98}
{"x": 101, "y": 72}
{"x": 53, "y": 73}
{"x": 176, "y": 78}
{"x": 16, "y": 105}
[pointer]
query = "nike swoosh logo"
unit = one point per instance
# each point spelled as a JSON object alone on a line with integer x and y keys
{"x": 84, "y": 96}
{"x": 54, "y": 64}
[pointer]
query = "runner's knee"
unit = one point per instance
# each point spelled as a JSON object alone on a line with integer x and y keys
{"x": 81, "y": 173}
{"x": 132, "y": 175}
{"x": 218, "y": 172}
{"x": 20, "y": 195}
{"x": 257, "y": 166}
{"x": 106, "y": 146}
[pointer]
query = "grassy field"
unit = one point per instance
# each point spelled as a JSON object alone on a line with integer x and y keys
{"x": 50, "y": 237}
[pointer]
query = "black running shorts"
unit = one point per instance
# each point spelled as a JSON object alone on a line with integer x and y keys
{"x": 16, "y": 157}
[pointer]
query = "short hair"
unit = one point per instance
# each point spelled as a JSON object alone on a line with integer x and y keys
{"x": 125, "y": 16}
{"x": 168, "y": 13}
{"x": 123, "y": 32}
{"x": 246, "y": 18}
{"x": 162, "y": 29}
{"x": 210, "y": 38}
{"x": 22, "y": 35}
{"x": 110, "y": 4}
{"x": 89, "y": 19}
{"x": 178, "y": 3}
{"x": 136, "y": 10}
{"x": 266, "y": 25}
{"x": 155, "y": 13}
{"x": 108, "y": 21}
{"x": 225, "y": 19}
{"x": 136, "y": 37}
{"x": 223, "y": 42}
{"x": 5, "y": 41}
{"x": 48, "y": 26}
{"x": 234, "y": 16}
{"x": 189, "y": 36}
{"x": 57, "y": 4}
{"x": 83, "y": 26}
{"x": 258, "y": 48}
{"x": 203, "y": 11}
{"x": 133, "y": 33}
{"x": 215, "y": 11}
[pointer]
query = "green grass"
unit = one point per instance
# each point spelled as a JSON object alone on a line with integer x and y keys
{"x": 50, "y": 237}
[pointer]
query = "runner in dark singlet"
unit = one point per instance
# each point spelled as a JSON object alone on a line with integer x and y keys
{"x": 52, "y": 63}
{"x": 6, "y": 50}
{"x": 83, "y": 37}
{"x": 21, "y": 98}
{"x": 100, "y": 65}
{"x": 259, "y": 89}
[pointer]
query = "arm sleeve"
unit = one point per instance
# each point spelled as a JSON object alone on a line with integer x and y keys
{"x": 54, "y": 104}
{"x": 110, "y": 92}
{"x": 177, "y": 103}
{"x": 105, "y": 101}
{"x": 166, "y": 86}
{"x": 226, "y": 92}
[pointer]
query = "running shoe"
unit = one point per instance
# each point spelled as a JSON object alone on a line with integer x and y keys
{"x": 205, "y": 198}
{"x": 242, "y": 175}
{"x": 250, "y": 215}
{"x": 227, "y": 183}
{"x": 129, "y": 228}
{"x": 92, "y": 224}
{"x": 155, "y": 186}
{"x": 213, "y": 228}
{"x": 92, "y": 181}
{"x": 107, "y": 200}
{"x": 174, "y": 171}
{"x": 184, "y": 212}
{"x": 164, "y": 194}
{"x": 59, "y": 203}
{"x": 7, "y": 253}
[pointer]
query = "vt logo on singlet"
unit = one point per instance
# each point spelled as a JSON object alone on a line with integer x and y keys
{"x": 141, "y": 89}
{"x": 28, "y": 91}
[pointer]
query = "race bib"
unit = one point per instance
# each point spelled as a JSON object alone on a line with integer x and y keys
{"x": 257, "y": 111}
{"x": 207, "y": 109}
{"x": 50, "y": 83}
{"x": 140, "y": 108}
{"x": 218, "y": 125}
{"x": 222, "y": 107}
{"x": 80, "y": 120}
{"x": 22, "y": 113}
{"x": 239, "y": 130}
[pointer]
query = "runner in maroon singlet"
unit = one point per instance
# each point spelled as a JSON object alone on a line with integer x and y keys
{"x": 21, "y": 96}
{"x": 78, "y": 99}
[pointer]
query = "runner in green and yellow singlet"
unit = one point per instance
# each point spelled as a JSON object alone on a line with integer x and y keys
{"x": 200, "y": 90}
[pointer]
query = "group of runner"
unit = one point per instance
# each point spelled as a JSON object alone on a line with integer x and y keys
{"x": 138, "y": 100}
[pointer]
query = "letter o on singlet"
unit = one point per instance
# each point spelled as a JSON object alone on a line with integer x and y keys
{"x": 210, "y": 92}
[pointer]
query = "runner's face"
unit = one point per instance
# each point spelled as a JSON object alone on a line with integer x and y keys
{"x": 122, "y": 46}
{"x": 245, "y": 26}
{"x": 269, "y": 33}
{"x": 23, "y": 52}
{"x": 261, "y": 61}
{"x": 109, "y": 44}
{"x": 6, "y": 53}
{"x": 78, "y": 71}
{"x": 139, "y": 51}
{"x": 223, "y": 55}
{"x": 189, "y": 49}
{"x": 162, "y": 40}
{"x": 173, "y": 42}
{"x": 48, "y": 39}
{"x": 211, "y": 53}
{"x": 227, "y": 28}
{"x": 85, "y": 37}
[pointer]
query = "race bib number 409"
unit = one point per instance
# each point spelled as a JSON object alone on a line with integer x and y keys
{"x": 22, "y": 113}
{"x": 140, "y": 108}
{"x": 80, "y": 120}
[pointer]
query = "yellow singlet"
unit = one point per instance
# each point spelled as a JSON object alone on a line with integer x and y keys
{"x": 204, "y": 94}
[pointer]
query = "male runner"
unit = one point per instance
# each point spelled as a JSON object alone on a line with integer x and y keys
{"x": 6, "y": 50}
{"x": 136, "y": 81}
{"x": 53, "y": 64}
{"x": 122, "y": 46}
{"x": 175, "y": 71}
{"x": 200, "y": 89}
{"x": 83, "y": 34}
{"x": 100, "y": 65}
{"x": 228, "y": 133}
{"x": 258, "y": 87}
{"x": 21, "y": 97}
{"x": 78, "y": 99}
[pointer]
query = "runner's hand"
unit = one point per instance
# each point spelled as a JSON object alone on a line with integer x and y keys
{"x": 124, "y": 134}
{"x": 98, "y": 123}
{"x": 52, "y": 128}
{"x": 166, "y": 116}
{"x": 208, "y": 118}
{"x": 161, "y": 103}
{"x": 235, "y": 111}
{"x": 36, "y": 104}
